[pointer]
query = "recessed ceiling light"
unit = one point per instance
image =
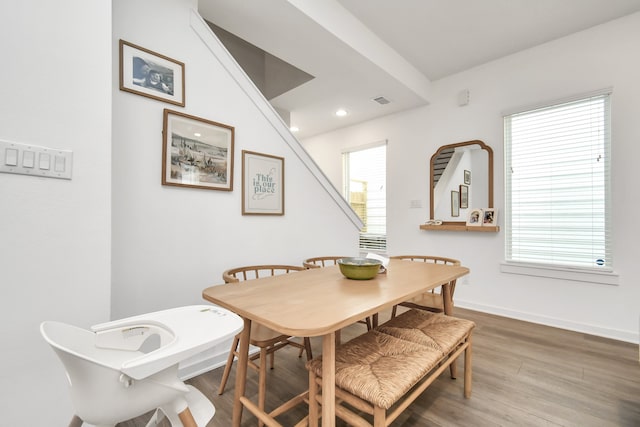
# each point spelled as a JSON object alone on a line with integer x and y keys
{"x": 294, "y": 129}
{"x": 197, "y": 134}
{"x": 341, "y": 113}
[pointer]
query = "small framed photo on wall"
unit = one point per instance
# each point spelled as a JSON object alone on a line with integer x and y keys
{"x": 151, "y": 74}
{"x": 455, "y": 203}
{"x": 464, "y": 196}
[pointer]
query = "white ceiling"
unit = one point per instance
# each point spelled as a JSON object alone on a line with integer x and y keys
{"x": 361, "y": 49}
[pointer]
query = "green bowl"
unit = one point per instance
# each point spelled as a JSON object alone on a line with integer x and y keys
{"x": 359, "y": 268}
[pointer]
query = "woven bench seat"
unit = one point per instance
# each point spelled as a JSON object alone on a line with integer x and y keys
{"x": 394, "y": 362}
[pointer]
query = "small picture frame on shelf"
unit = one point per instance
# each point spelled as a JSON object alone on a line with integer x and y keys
{"x": 490, "y": 217}
{"x": 455, "y": 203}
{"x": 475, "y": 218}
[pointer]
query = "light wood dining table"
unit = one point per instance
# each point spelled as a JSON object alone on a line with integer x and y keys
{"x": 320, "y": 302}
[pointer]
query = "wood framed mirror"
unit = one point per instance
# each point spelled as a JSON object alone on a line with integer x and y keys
{"x": 466, "y": 166}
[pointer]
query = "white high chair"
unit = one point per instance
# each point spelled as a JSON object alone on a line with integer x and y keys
{"x": 114, "y": 375}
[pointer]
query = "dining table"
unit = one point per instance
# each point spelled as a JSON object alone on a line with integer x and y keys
{"x": 320, "y": 302}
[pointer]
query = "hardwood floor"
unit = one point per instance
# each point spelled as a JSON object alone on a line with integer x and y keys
{"x": 523, "y": 375}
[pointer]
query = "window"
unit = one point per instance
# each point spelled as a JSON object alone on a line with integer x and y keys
{"x": 557, "y": 196}
{"x": 365, "y": 175}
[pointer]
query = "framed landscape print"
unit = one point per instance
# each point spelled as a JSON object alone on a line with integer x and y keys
{"x": 262, "y": 184}
{"x": 196, "y": 152}
{"x": 151, "y": 74}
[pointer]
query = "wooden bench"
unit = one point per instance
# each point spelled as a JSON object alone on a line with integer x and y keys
{"x": 384, "y": 370}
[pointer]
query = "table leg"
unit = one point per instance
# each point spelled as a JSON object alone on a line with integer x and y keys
{"x": 329, "y": 380}
{"x": 241, "y": 372}
{"x": 446, "y": 296}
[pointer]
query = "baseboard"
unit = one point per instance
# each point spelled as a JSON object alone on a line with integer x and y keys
{"x": 616, "y": 334}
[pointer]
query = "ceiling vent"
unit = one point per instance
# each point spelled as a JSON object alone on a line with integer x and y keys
{"x": 381, "y": 100}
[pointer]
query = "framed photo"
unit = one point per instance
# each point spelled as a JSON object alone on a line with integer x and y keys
{"x": 475, "y": 218}
{"x": 467, "y": 177}
{"x": 455, "y": 203}
{"x": 151, "y": 74}
{"x": 196, "y": 152}
{"x": 464, "y": 196}
{"x": 490, "y": 217}
{"x": 262, "y": 184}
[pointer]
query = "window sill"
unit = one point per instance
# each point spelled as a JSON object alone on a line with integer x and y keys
{"x": 602, "y": 277}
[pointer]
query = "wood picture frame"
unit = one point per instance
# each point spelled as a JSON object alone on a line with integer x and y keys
{"x": 150, "y": 74}
{"x": 196, "y": 152}
{"x": 490, "y": 217}
{"x": 455, "y": 203}
{"x": 464, "y": 196}
{"x": 262, "y": 184}
{"x": 475, "y": 218}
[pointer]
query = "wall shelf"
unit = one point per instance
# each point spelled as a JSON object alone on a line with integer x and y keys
{"x": 459, "y": 227}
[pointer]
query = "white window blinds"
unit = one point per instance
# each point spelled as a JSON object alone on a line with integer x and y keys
{"x": 365, "y": 176}
{"x": 557, "y": 195}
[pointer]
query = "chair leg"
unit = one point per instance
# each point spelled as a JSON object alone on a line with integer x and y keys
{"x": 307, "y": 348}
{"x": 227, "y": 368}
{"x": 75, "y": 421}
{"x": 367, "y": 321}
{"x": 186, "y": 417}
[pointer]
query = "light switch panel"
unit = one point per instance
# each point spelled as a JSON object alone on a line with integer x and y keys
{"x": 11, "y": 157}
{"x": 27, "y": 159}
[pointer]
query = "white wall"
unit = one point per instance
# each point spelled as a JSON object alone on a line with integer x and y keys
{"x": 169, "y": 243}
{"x": 604, "y": 56}
{"x": 113, "y": 240}
{"x": 55, "y": 245}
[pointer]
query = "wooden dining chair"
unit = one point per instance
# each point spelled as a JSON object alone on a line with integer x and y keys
{"x": 433, "y": 300}
{"x": 323, "y": 261}
{"x": 267, "y": 340}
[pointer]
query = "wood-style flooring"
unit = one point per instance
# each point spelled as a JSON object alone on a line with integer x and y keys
{"x": 523, "y": 375}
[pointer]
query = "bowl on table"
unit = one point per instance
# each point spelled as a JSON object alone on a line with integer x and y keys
{"x": 359, "y": 268}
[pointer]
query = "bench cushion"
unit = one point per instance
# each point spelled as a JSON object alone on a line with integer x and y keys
{"x": 382, "y": 365}
{"x": 438, "y": 331}
{"x": 379, "y": 368}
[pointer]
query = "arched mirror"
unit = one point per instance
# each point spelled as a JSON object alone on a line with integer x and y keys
{"x": 461, "y": 179}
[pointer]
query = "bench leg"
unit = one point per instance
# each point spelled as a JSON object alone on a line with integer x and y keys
{"x": 313, "y": 400}
{"x": 467, "y": 368}
{"x": 379, "y": 417}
